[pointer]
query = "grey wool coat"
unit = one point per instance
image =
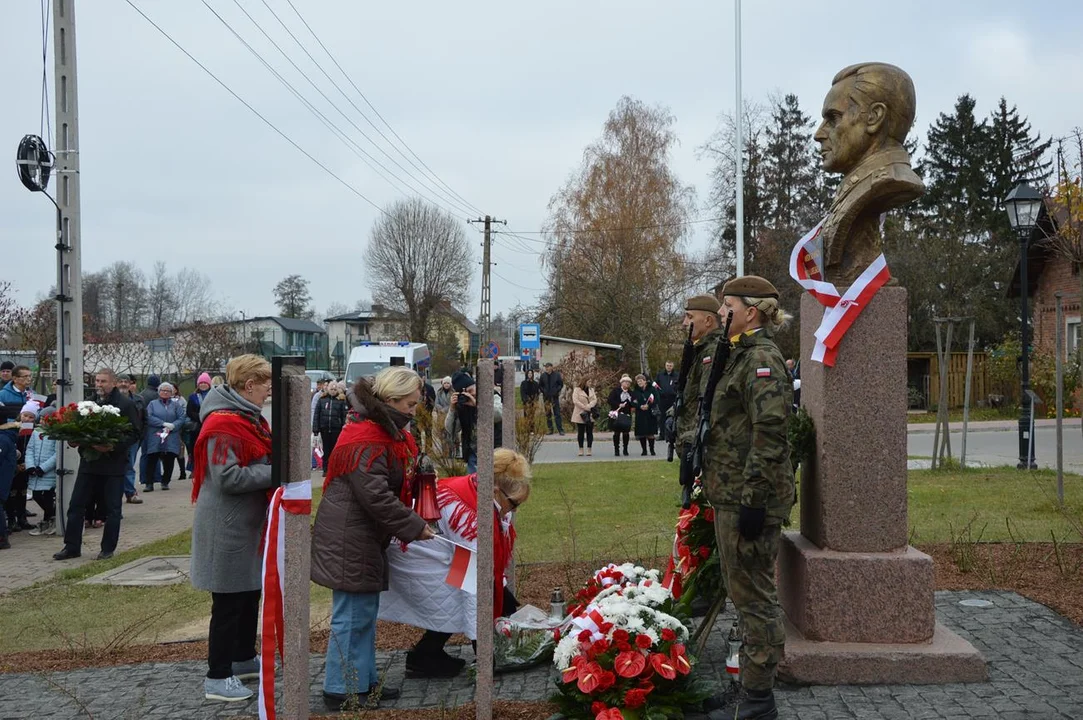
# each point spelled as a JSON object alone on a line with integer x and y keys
{"x": 230, "y": 511}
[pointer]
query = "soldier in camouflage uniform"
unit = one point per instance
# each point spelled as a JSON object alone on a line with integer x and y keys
{"x": 748, "y": 478}
{"x": 701, "y": 313}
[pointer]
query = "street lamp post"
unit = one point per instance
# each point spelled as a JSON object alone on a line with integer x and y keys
{"x": 1023, "y": 205}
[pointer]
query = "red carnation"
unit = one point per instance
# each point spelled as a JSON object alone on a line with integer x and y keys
{"x": 662, "y": 665}
{"x": 704, "y": 552}
{"x": 597, "y": 707}
{"x": 622, "y": 646}
{"x": 635, "y": 698}
{"x": 629, "y": 663}
{"x": 584, "y": 636}
{"x": 610, "y": 714}
{"x": 708, "y": 515}
{"x": 620, "y": 635}
{"x": 668, "y": 635}
{"x": 606, "y": 680}
{"x": 600, "y": 647}
{"x": 556, "y": 634}
{"x": 644, "y": 641}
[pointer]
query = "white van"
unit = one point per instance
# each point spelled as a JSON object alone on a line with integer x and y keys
{"x": 369, "y": 358}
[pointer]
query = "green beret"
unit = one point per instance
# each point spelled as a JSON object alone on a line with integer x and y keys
{"x": 750, "y": 286}
{"x": 705, "y": 302}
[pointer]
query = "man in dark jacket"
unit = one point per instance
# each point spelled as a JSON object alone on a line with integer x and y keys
{"x": 106, "y": 471}
{"x": 149, "y": 472}
{"x": 551, "y": 384}
{"x": 667, "y": 386}
{"x": 126, "y": 383}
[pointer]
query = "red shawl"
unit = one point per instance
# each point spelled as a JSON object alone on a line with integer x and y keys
{"x": 233, "y": 432}
{"x": 359, "y": 438}
{"x": 464, "y": 520}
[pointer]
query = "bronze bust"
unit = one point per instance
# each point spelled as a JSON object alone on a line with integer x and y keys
{"x": 866, "y": 116}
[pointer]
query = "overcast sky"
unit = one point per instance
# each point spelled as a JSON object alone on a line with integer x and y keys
{"x": 499, "y": 99}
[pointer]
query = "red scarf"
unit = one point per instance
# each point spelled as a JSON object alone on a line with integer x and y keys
{"x": 359, "y": 438}
{"x": 464, "y": 520}
{"x": 233, "y": 432}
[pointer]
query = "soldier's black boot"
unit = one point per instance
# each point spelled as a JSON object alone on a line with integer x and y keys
{"x": 748, "y": 705}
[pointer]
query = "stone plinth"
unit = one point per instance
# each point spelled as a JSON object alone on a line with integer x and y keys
{"x": 858, "y": 599}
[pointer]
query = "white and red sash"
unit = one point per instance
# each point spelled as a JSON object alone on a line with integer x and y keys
{"x": 294, "y": 498}
{"x": 842, "y": 310}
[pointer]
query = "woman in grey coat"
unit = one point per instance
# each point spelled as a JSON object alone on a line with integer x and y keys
{"x": 162, "y": 436}
{"x": 230, "y": 484}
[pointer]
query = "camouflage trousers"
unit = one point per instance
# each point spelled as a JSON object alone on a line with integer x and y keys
{"x": 748, "y": 567}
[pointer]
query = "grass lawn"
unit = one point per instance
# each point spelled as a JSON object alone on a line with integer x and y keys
{"x": 598, "y": 512}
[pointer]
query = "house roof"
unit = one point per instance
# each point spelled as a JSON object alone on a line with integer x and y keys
{"x": 291, "y": 324}
{"x": 367, "y": 314}
{"x": 588, "y": 343}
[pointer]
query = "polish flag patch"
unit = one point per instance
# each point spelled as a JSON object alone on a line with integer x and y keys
{"x": 707, "y": 360}
{"x": 763, "y": 372}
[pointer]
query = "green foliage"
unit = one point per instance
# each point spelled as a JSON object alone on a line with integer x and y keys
{"x": 802, "y": 437}
{"x": 1003, "y": 366}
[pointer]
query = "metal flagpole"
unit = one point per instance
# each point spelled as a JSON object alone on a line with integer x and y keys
{"x": 740, "y": 149}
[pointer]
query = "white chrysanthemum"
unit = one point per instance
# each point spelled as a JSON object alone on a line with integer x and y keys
{"x": 85, "y": 404}
{"x": 110, "y": 410}
{"x": 84, "y": 411}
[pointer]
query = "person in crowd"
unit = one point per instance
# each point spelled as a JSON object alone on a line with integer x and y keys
{"x": 646, "y": 407}
{"x": 418, "y": 593}
{"x": 529, "y": 390}
{"x": 15, "y": 504}
{"x": 584, "y": 407}
{"x": 316, "y": 395}
{"x": 443, "y": 396}
{"x": 127, "y": 385}
{"x": 217, "y": 380}
{"x": 41, "y": 467}
{"x": 231, "y": 478}
{"x": 105, "y": 470}
{"x": 182, "y": 448}
{"x": 666, "y": 383}
{"x": 620, "y": 403}
{"x": 365, "y": 504}
{"x": 330, "y": 417}
{"x": 794, "y": 369}
{"x": 464, "y": 417}
{"x": 748, "y": 479}
{"x": 149, "y": 472}
{"x": 443, "y": 408}
{"x": 6, "y": 369}
{"x": 551, "y": 385}
{"x": 162, "y": 436}
{"x": 191, "y": 412}
{"x": 12, "y": 399}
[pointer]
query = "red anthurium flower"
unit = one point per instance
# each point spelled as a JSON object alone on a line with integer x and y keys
{"x": 662, "y": 665}
{"x": 644, "y": 641}
{"x": 679, "y": 657}
{"x": 635, "y": 698}
{"x": 668, "y": 635}
{"x": 646, "y": 685}
{"x": 589, "y": 677}
{"x": 597, "y": 707}
{"x": 629, "y": 663}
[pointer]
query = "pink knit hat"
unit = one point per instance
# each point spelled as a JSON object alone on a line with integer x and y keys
{"x": 203, "y": 378}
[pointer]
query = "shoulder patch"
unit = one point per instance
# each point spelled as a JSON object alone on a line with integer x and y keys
{"x": 763, "y": 372}
{"x": 707, "y": 360}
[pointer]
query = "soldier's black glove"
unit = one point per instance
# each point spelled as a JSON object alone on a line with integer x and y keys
{"x": 750, "y": 522}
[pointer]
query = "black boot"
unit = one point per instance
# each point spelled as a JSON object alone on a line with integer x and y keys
{"x": 748, "y": 705}
{"x": 428, "y": 658}
{"x": 651, "y": 444}
{"x": 643, "y": 444}
{"x": 616, "y": 446}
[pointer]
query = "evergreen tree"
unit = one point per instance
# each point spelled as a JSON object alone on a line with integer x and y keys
{"x": 1015, "y": 156}
{"x": 790, "y": 167}
{"x": 955, "y": 167}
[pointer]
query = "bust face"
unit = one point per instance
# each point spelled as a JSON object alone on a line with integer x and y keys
{"x": 848, "y": 132}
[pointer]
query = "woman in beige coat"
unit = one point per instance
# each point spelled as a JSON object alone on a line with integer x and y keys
{"x": 584, "y": 401}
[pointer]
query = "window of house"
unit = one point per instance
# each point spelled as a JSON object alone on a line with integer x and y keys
{"x": 387, "y": 328}
{"x": 1072, "y": 335}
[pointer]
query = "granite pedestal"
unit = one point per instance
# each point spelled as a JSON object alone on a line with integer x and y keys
{"x": 858, "y": 598}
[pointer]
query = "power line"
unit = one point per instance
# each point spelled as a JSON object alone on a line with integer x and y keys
{"x": 619, "y": 229}
{"x": 518, "y": 284}
{"x": 421, "y": 181}
{"x": 377, "y": 112}
{"x": 361, "y": 153}
{"x": 255, "y": 112}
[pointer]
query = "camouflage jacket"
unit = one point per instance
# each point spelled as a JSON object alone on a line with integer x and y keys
{"x": 694, "y": 386}
{"x": 747, "y": 459}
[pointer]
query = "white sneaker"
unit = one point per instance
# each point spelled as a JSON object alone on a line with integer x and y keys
{"x": 45, "y": 527}
{"x": 227, "y": 690}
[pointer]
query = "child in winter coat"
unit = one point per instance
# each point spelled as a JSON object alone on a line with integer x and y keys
{"x": 41, "y": 467}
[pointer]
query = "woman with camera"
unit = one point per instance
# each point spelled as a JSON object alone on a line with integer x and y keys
{"x": 584, "y": 410}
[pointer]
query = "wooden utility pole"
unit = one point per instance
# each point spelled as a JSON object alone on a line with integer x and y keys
{"x": 69, "y": 287}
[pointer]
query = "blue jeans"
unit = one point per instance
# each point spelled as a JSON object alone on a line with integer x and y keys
{"x": 351, "y": 649}
{"x": 8, "y": 461}
{"x": 129, "y": 474}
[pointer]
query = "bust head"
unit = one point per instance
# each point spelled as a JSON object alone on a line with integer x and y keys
{"x": 869, "y": 108}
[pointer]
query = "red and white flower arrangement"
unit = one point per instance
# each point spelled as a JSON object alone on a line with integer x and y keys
{"x": 693, "y": 567}
{"x": 88, "y": 426}
{"x": 624, "y": 655}
{"x": 609, "y": 576}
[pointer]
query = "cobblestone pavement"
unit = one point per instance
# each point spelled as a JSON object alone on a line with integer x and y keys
{"x": 1035, "y": 671}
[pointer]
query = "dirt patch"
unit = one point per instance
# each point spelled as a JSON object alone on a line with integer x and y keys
{"x": 1039, "y": 571}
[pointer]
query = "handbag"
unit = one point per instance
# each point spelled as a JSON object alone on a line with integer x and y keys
{"x": 621, "y": 423}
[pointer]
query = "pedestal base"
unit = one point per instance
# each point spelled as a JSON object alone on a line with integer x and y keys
{"x": 882, "y": 597}
{"x": 948, "y": 658}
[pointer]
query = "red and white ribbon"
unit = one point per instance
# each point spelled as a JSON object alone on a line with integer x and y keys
{"x": 296, "y": 499}
{"x": 841, "y": 309}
